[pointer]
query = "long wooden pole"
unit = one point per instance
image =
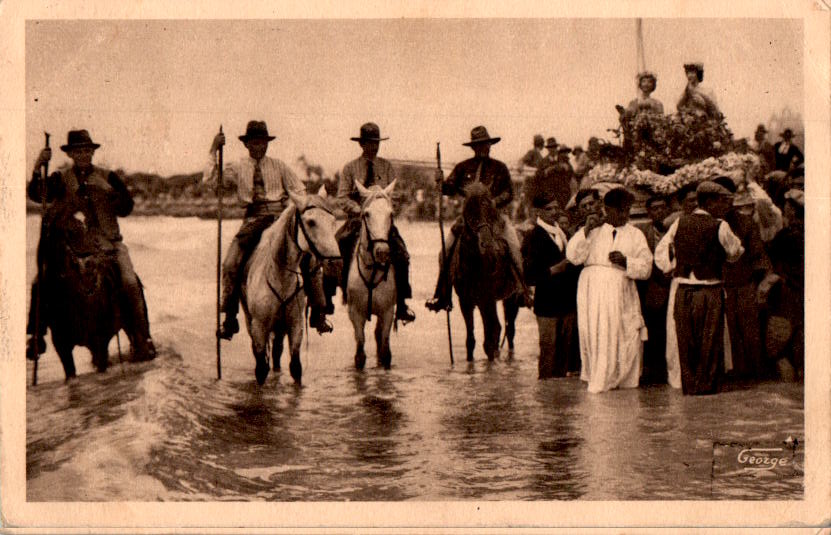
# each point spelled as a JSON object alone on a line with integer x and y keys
{"x": 443, "y": 247}
{"x": 44, "y": 173}
{"x": 219, "y": 192}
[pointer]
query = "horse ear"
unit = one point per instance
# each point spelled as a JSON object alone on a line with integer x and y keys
{"x": 362, "y": 191}
{"x": 388, "y": 189}
{"x": 299, "y": 200}
{"x": 322, "y": 193}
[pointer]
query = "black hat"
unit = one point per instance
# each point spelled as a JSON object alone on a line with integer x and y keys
{"x": 480, "y": 135}
{"x": 77, "y": 139}
{"x": 618, "y": 198}
{"x": 786, "y": 133}
{"x": 369, "y": 132}
{"x": 256, "y": 130}
{"x": 550, "y": 143}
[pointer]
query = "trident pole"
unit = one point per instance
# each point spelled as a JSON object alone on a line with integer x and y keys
{"x": 219, "y": 191}
{"x": 443, "y": 247}
{"x": 44, "y": 173}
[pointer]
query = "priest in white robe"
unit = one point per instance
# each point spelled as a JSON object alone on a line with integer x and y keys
{"x": 614, "y": 254}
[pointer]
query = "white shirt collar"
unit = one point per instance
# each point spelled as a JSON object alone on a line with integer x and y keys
{"x": 555, "y": 232}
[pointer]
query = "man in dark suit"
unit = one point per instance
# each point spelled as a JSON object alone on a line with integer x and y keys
{"x": 787, "y": 155}
{"x": 555, "y": 279}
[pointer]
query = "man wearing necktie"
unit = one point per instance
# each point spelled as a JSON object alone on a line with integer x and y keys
{"x": 495, "y": 175}
{"x": 263, "y": 184}
{"x": 370, "y": 170}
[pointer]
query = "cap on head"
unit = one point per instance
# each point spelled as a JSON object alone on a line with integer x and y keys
{"x": 583, "y": 193}
{"x": 480, "y": 135}
{"x": 619, "y": 198}
{"x": 369, "y": 132}
{"x": 761, "y": 129}
{"x": 78, "y": 139}
{"x": 577, "y": 150}
{"x": 255, "y": 130}
{"x": 726, "y": 182}
{"x": 708, "y": 187}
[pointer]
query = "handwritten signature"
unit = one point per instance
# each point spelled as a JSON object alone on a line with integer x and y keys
{"x": 762, "y": 458}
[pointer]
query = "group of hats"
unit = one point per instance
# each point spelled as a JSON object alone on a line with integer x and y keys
{"x": 786, "y": 133}
{"x": 551, "y": 143}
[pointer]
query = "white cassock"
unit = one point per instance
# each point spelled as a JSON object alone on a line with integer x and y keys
{"x": 609, "y": 319}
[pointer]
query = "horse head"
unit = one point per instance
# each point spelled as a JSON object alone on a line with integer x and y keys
{"x": 376, "y": 218}
{"x": 315, "y": 224}
{"x": 482, "y": 221}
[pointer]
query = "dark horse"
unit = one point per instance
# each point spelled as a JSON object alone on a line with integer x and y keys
{"x": 82, "y": 302}
{"x": 483, "y": 272}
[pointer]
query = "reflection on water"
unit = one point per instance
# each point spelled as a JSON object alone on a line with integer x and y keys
{"x": 167, "y": 430}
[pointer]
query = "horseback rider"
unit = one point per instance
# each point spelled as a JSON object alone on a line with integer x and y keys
{"x": 370, "y": 170}
{"x": 495, "y": 175}
{"x": 263, "y": 184}
{"x": 101, "y": 197}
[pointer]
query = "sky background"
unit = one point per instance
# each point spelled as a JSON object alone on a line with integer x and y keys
{"x": 153, "y": 93}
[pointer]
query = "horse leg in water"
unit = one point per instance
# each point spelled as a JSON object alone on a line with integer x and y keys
{"x": 358, "y": 323}
{"x": 294, "y": 318}
{"x": 65, "y": 353}
{"x": 100, "y": 354}
{"x": 382, "y": 337}
{"x": 277, "y": 346}
{"x": 493, "y": 329}
{"x": 259, "y": 343}
{"x": 510, "y": 307}
{"x": 467, "y": 313}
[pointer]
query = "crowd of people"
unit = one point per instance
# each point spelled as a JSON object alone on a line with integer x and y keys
{"x": 711, "y": 286}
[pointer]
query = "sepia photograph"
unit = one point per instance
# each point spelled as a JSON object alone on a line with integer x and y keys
{"x": 426, "y": 262}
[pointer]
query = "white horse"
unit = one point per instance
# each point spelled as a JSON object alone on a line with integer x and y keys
{"x": 272, "y": 291}
{"x": 370, "y": 285}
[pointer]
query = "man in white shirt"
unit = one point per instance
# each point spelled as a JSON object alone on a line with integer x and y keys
{"x": 695, "y": 248}
{"x": 263, "y": 184}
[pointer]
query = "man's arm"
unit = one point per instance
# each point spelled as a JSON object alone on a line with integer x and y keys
{"x": 504, "y": 188}
{"x": 664, "y": 255}
{"x": 121, "y": 199}
{"x": 346, "y": 184}
{"x": 731, "y": 243}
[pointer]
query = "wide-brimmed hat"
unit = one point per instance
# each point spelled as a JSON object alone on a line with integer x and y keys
{"x": 78, "y": 139}
{"x": 761, "y": 128}
{"x": 256, "y": 130}
{"x": 550, "y": 143}
{"x": 694, "y": 66}
{"x": 369, "y": 132}
{"x": 563, "y": 148}
{"x": 480, "y": 135}
{"x": 577, "y": 149}
{"x": 786, "y": 133}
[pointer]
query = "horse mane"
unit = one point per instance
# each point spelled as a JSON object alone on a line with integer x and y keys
{"x": 274, "y": 241}
{"x": 375, "y": 192}
{"x": 476, "y": 189}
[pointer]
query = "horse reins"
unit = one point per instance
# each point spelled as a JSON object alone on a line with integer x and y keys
{"x": 376, "y": 265}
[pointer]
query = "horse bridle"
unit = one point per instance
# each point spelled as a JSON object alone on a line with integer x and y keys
{"x": 301, "y": 227}
{"x": 372, "y": 241}
{"x": 377, "y": 267}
